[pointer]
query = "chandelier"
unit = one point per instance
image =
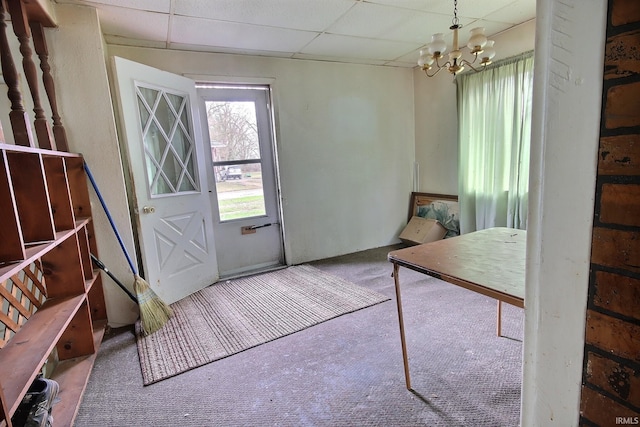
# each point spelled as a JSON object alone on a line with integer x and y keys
{"x": 478, "y": 45}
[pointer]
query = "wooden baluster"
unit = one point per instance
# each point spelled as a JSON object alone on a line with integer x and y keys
{"x": 40, "y": 45}
{"x": 18, "y": 117}
{"x": 21, "y": 28}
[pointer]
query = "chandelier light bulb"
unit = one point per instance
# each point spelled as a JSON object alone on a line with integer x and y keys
{"x": 421, "y": 59}
{"x": 437, "y": 46}
{"x": 425, "y": 60}
{"x": 477, "y": 41}
{"x": 488, "y": 53}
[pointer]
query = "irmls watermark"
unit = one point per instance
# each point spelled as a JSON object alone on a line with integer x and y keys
{"x": 629, "y": 421}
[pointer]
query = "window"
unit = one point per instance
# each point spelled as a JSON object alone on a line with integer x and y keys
{"x": 234, "y": 118}
{"x": 494, "y": 134}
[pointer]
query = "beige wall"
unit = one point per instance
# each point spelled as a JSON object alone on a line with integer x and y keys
{"x": 344, "y": 143}
{"x": 436, "y": 123}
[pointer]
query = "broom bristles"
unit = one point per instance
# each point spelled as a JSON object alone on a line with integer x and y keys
{"x": 154, "y": 313}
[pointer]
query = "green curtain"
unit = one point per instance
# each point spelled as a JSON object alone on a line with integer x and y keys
{"x": 494, "y": 134}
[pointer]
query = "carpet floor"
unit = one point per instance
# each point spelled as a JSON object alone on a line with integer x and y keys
{"x": 343, "y": 372}
{"x": 235, "y": 315}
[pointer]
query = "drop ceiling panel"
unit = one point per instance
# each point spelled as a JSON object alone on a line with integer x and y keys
{"x": 433, "y": 6}
{"x": 466, "y": 8}
{"x": 479, "y": 9}
{"x": 294, "y": 14}
{"x": 134, "y": 24}
{"x": 356, "y": 47}
{"x": 163, "y": 6}
{"x": 409, "y": 58}
{"x": 343, "y": 59}
{"x": 516, "y": 13}
{"x": 377, "y": 21}
{"x": 490, "y": 28}
{"x": 241, "y": 36}
{"x": 227, "y": 50}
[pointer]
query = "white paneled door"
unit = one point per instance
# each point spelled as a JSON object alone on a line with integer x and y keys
{"x": 162, "y": 134}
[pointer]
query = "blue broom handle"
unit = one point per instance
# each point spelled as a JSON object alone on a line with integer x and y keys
{"x": 106, "y": 211}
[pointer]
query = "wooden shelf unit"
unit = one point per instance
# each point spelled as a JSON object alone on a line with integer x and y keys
{"x": 46, "y": 221}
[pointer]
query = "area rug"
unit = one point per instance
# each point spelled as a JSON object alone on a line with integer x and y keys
{"x": 232, "y": 316}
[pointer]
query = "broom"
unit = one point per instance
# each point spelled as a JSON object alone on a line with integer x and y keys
{"x": 104, "y": 268}
{"x": 154, "y": 312}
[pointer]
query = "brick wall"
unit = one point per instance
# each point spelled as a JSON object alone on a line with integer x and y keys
{"x": 611, "y": 376}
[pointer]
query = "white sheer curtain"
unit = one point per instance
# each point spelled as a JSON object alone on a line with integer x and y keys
{"x": 494, "y": 134}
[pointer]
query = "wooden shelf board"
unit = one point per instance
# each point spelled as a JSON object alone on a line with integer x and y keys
{"x": 22, "y": 357}
{"x": 88, "y": 283}
{"x": 36, "y": 251}
{"x": 73, "y": 376}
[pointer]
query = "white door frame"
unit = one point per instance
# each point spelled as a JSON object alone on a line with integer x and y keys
{"x": 265, "y": 240}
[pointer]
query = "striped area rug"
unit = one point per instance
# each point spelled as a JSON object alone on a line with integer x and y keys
{"x": 232, "y": 316}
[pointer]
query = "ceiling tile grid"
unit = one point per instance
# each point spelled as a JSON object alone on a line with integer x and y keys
{"x": 377, "y": 32}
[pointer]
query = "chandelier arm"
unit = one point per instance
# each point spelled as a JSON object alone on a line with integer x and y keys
{"x": 445, "y": 65}
{"x": 438, "y": 63}
{"x": 465, "y": 62}
{"x": 438, "y": 67}
{"x": 431, "y": 75}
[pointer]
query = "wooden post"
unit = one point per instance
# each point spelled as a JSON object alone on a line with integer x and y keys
{"x": 40, "y": 45}
{"x": 18, "y": 117}
{"x": 21, "y": 28}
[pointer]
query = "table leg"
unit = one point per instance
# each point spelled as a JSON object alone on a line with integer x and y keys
{"x": 499, "y": 320}
{"x": 405, "y": 358}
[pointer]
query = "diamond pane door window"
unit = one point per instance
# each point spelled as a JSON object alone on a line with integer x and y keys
{"x": 168, "y": 142}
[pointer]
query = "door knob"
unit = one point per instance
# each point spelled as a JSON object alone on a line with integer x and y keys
{"x": 148, "y": 209}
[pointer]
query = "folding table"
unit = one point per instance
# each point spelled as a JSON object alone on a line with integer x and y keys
{"x": 490, "y": 262}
